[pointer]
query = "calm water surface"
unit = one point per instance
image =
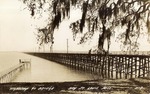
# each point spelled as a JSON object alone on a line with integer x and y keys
{"x": 41, "y": 70}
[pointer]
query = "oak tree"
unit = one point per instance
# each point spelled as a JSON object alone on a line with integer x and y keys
{"x": 102, "y": 16}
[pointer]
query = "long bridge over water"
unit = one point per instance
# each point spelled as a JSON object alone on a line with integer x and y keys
{"x": 112, "y": 66}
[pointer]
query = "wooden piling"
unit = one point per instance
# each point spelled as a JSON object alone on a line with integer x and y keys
{"x": 110, "y": 66}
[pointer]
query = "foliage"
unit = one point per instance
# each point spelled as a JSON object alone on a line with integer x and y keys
{"x": 102, "y": 16}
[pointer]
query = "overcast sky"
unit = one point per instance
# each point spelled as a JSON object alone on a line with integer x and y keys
{"x": 17, "y": 30}
{"x": 15, "y": 27}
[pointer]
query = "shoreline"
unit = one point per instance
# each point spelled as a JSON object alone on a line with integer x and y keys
{"x": 114, "y": 86}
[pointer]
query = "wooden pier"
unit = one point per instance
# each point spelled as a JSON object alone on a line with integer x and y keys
{"x": 8, "y": 75}
{"x": 106, "y": 66}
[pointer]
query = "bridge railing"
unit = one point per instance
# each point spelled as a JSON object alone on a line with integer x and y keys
{"x": 8, "y": 75}
{"x": 106, "y": 66}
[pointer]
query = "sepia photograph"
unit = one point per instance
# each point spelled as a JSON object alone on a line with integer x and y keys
{"x": 74, "y": 46}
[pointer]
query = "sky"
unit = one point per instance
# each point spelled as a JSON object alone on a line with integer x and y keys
{"x": 18, "y": 28}
{"x": 15, "y": 27}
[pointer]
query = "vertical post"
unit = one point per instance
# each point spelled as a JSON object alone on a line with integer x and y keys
{"x": 109, "y": 59}
{"x": 120, "y": 66}
{"x": 144, "y": 67}
{"x": 139, "y": 67}
{"x": 102, "y": 68}
{"x": 148, "y": 67}
{"x": 131, "y": 63}
{"x": 135, "y": 66}
{"x": 67, "y": 46}
{"x": 116, "y": 64}
{"x": 126, "y": 67}
{"x": 112, "y": 67}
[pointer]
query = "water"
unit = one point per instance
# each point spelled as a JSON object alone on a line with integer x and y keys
{"x": 41, "y": 70}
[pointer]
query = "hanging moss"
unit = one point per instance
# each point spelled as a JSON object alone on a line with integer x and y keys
{"x": 128, "y": 31}
{"x": 93, "y": 3}
{"x": 55, "y": 6}
{"x": 116, "y": 10}
{"x": 93, "y": 27}
{"x": 108, "y": 12}
{"x": 119, "y": 2}
{"x": 96, "y": 22}
{"x": 73, "y": 2}
{"x": 148, "y": 23}
{"x": 45, "y": 38}
{"x": 32, "y": 12}
{"x": 85, "y": 5}
{"x": 24, "y": 1}
{"x": 137, "y": 20}
{"x": 123, "y": 21}
{"x": 56, "y": 20}
{"x": 75, "y": 28}
{"x": 62, "y": 1}
{"x": 89, "y": 23}
{"x": 86, "y": 37}
{"x": 102, "y": 37}
{"x": 99, "y": 1}
{"x": 63, "y": 13}
{"x": 123, "y": 7}
{"x": 67, "y": 8}
{"x": 102, "y": 14}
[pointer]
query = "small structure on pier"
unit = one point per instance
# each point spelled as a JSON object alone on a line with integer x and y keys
{"x": 26, "y": 62}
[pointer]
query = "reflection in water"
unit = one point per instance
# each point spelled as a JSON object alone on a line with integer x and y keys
{"x": 46, "y": 71}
